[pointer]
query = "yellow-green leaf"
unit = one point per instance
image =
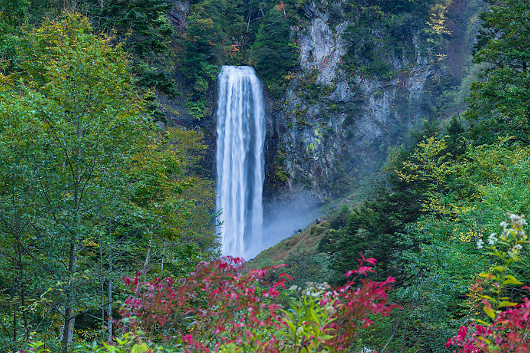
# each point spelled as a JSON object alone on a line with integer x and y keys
{"x": 139, "y": 348}
{"x": 506, "y": 303}
{"x": 489, "y": 311}
{"x": 511, "y": 280}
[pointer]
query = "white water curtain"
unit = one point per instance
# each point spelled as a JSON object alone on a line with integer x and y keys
{"x": 240, "y": 161}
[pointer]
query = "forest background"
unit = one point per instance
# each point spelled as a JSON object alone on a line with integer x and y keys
{"x": 95, "y": 186}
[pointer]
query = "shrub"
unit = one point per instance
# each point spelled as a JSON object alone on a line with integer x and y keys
{"x": 508, "y": 323}
{"x": 219, "y": 307}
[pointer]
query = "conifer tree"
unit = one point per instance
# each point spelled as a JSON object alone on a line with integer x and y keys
{"x": 275, "y": 53}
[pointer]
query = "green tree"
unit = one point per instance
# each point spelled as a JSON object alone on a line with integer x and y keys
{"x": 446, "y": 260}
{"x": 275, "y": 53}
{"x": 365, "y": 49}
{"x": 141, "y": 24}
{"x": 499, "y": 103}
{"x": 89, "y": 189}
{"x": 70, "y": 122}
{"x": 372, "y": 228}
{"x": 12, "y": 13}
{"x": 416, "y": 183}
{"x": 144, "y": 28}
{"x": 174, "y": 203}
{"x": 200, "y": 227}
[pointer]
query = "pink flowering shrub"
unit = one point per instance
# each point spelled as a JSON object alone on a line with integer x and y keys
{"x": 214, "y": 305}
{"x": 218, "y": 307}
{"x": 510, "y": 332}
{"x": 508, "y": 329}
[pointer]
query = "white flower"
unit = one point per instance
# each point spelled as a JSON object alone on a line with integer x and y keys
{"x": 517, "y": 247}
{"x": 492, "y": 239}
{"x": 329, "y": 308}
{"x": 517, "y": 220}
{"x": 480, "y": 244}
{"x": 504, "y": 224}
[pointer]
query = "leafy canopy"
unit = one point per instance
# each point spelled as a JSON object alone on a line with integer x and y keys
{"x": 500, "y": 100}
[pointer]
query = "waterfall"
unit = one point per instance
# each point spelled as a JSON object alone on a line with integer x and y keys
{"x": 240, "y": 162}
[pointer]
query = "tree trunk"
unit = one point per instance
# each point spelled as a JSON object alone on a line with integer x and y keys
{"x": 148, "y": 256}
{"x": 14, "y": 328}
{"x": 109, "y": 312}
{"x": 69, "y": 320}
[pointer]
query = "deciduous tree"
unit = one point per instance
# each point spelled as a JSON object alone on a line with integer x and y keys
{"x": 70, "y": 124}
{"x": 500, "y": 99}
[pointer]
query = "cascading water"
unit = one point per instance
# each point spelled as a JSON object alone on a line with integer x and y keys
{"x": 240, "y": 161}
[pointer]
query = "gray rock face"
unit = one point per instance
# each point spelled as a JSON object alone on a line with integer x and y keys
{"x": 321, "y": 48}
{"x": 321, "y": 141}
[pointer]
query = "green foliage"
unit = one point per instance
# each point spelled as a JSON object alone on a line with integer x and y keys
{"x": 340, "y": 220}
{"x": 12, "y": 14}
{"x": 418, "y": 8}
{"x": 439, "y": 253}
{"x": 141, "y": 24}
{"x": 308, "y": 309}
{"x": 504, "y": 330}
{"x": 70, "y": 122}
{"x": 275, "y": 54}
{"x": 128, "y": 343}
{"x": 368, "y": 49}
{"x": 499, "y": 100}
{"x": 396, "y": 203}
{"x": 399, "y": 224}
{"x": 200, "y": 192}
{"x": 382, "y": 30}
{"x": 280, "y": 174}
{"x": 88, "y": 187}
{"x": 198, "y": 67}
{"x": 208, "y": 43}
{"x": 305, "y": 266}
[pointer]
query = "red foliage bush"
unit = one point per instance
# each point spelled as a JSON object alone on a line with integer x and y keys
{"x": 218, "y": 305}
{"x": 509, "y": 332}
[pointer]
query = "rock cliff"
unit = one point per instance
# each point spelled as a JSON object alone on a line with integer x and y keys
{"x": 332, "y": 127}
{"x": 334, "y": 123}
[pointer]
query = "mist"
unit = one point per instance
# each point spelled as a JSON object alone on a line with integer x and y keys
{"x": 281, "y": 220}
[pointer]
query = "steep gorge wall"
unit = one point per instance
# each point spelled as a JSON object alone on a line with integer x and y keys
{"x": 332, "y": 125}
